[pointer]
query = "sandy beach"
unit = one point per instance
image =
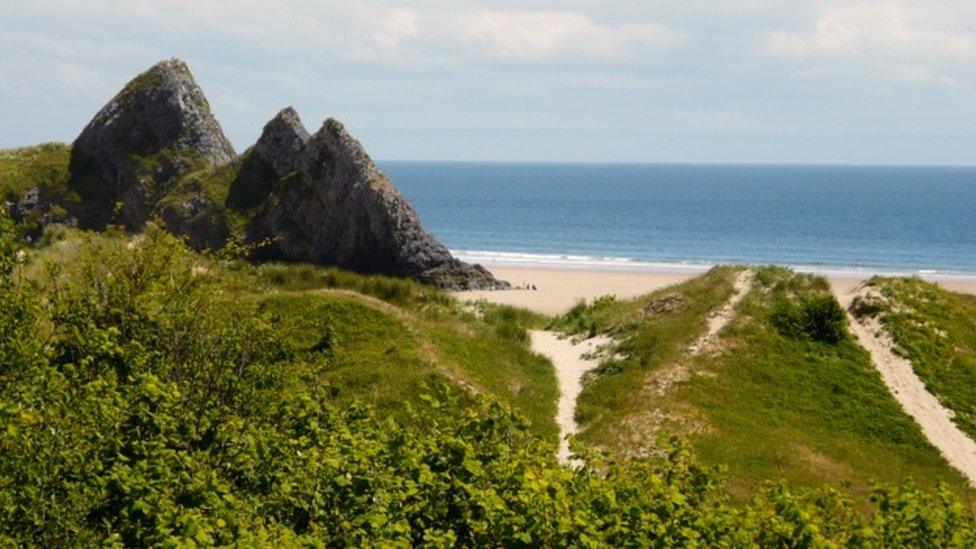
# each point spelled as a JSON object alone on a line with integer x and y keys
{"x": 558, "y": 289}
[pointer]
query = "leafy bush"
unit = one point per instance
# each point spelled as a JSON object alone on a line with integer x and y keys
{"x": 141, "y": 404}
{"x": 817, "y": 316}
{"x": 867, "y": 306}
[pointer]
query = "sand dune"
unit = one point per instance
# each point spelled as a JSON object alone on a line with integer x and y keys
{"x": 909, "y": 390}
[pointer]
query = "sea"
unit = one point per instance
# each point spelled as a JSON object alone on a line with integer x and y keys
{"x": 685, "y": 217}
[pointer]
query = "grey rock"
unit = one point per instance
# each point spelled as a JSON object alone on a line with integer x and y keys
{"x": 279, "y": 151}
{"x": 35, "y": 213}
{"x": 283, "y": 142}
{"x": 192, "y": 214}
{"x": 29, "y": 203}
{"x": 156, "y": 150}
{"x": 340, "y": 209}
{"x": 139, "y": 145}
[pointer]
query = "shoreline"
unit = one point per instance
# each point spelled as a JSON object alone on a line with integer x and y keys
{"x": 559, "y": 288}
{"x": 517, "y": 260}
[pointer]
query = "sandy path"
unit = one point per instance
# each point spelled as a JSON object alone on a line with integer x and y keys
{"x": 909, "y": 390}
{"x": 721, "y": 318}
{"x": 570, "y": 365}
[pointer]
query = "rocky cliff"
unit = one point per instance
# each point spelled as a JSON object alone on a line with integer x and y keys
{"x": 156, "y": 151}
{"x": 332, "y": 205}
{"x": 138, "y": 147}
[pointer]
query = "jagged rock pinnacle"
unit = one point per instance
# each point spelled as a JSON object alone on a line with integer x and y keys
{"x": 155, "y": 130}
{"x": 282, "y": 142}
{"x": 344, "y": 211}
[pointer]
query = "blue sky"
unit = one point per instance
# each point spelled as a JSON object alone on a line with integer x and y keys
{"x": 889, "y": 82}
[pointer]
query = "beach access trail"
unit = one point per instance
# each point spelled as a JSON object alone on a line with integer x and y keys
{"x": 720, "y": 319}
{"x": 571, "y": 361}
{"x": 909, "y": 390}
{"x": 571, "y": 358}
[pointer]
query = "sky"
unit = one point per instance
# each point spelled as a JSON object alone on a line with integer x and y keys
{"x": 754, "y": 81}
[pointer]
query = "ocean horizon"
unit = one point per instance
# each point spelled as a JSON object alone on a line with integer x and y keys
{"x": 829, "y": 219}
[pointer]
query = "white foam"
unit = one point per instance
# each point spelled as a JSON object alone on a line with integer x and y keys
{"x": 491, "y": 258}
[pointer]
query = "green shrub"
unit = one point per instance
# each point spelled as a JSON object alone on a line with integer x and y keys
{"x": 817, "y": 316}
{"x": 867, "y": 306}
{"x": 155, "y": 408}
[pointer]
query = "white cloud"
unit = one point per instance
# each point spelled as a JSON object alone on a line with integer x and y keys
{"x": 540, "y": 35}
{"x": 726, "y": 66}
{"x": 888, "y": 28}
{"x": 890, "y": 40}
{"x": 395, "y": 25}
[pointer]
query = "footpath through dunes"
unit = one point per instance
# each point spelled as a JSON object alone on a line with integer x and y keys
{"x": 782, "y": 391}
{"x": 720, "y": 318}
{"x": 937, "y": 422}
{"x": 651, "y": 333}
{"x": 571, "y": 359}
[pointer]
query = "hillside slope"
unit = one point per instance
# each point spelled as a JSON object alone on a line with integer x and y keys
{"x": 784, "y": 391}
{"x": 936, "y": 330}
{"x": 150, "y": 395}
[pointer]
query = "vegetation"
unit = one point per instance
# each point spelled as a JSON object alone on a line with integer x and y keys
{"x": 787, "y": 393}
{"x": 43, "y": 166}
{"x": 153, "y": 396}
{"x": 934, "y": 329}
{"x": 817, "y": 316}
{"x": 648, "y": 340}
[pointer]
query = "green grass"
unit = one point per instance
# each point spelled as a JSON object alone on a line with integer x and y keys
{"x": 936, "y": 330}
{"x": 44, "y": 165}
{"x": 616, "y": 395}
{"x": 786, "y": 394}
{"x": 492, "y": 353}
{"x": 376, "y": 358}
{"x": 389, "y": 338}
{"x": 777, "y": 404}
{"x": 423, "y": 332}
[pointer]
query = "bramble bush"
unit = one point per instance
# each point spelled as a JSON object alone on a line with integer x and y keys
{"x": 141, "y": 404}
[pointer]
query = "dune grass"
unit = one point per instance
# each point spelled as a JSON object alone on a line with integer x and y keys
{"x": 395, "y": 334}
{"x": 389, "y": 355}
{"x": 375, "y": 357}
{"x": 785, "y": 394}
{"x": 616, "y": 395}
{"x": 936, "y": 330}
{"x": 777, "y": 403}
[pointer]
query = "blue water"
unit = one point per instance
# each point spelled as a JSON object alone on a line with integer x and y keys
{"x": 831, "y": 217}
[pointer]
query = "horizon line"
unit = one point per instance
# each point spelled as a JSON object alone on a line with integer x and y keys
{"x": 678, "y": 163}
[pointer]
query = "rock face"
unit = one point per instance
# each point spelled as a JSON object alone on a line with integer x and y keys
{"x": 333, "y": 206}
{"x": 283, "y": 142}
{"x": 136, "y": 149}
{"x": 156, "y": 151}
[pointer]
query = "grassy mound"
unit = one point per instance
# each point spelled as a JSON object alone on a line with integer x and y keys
{"x": 936, "y": 330}
{"x": 786, "y": 393}
{"x": 650, "y": 337}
